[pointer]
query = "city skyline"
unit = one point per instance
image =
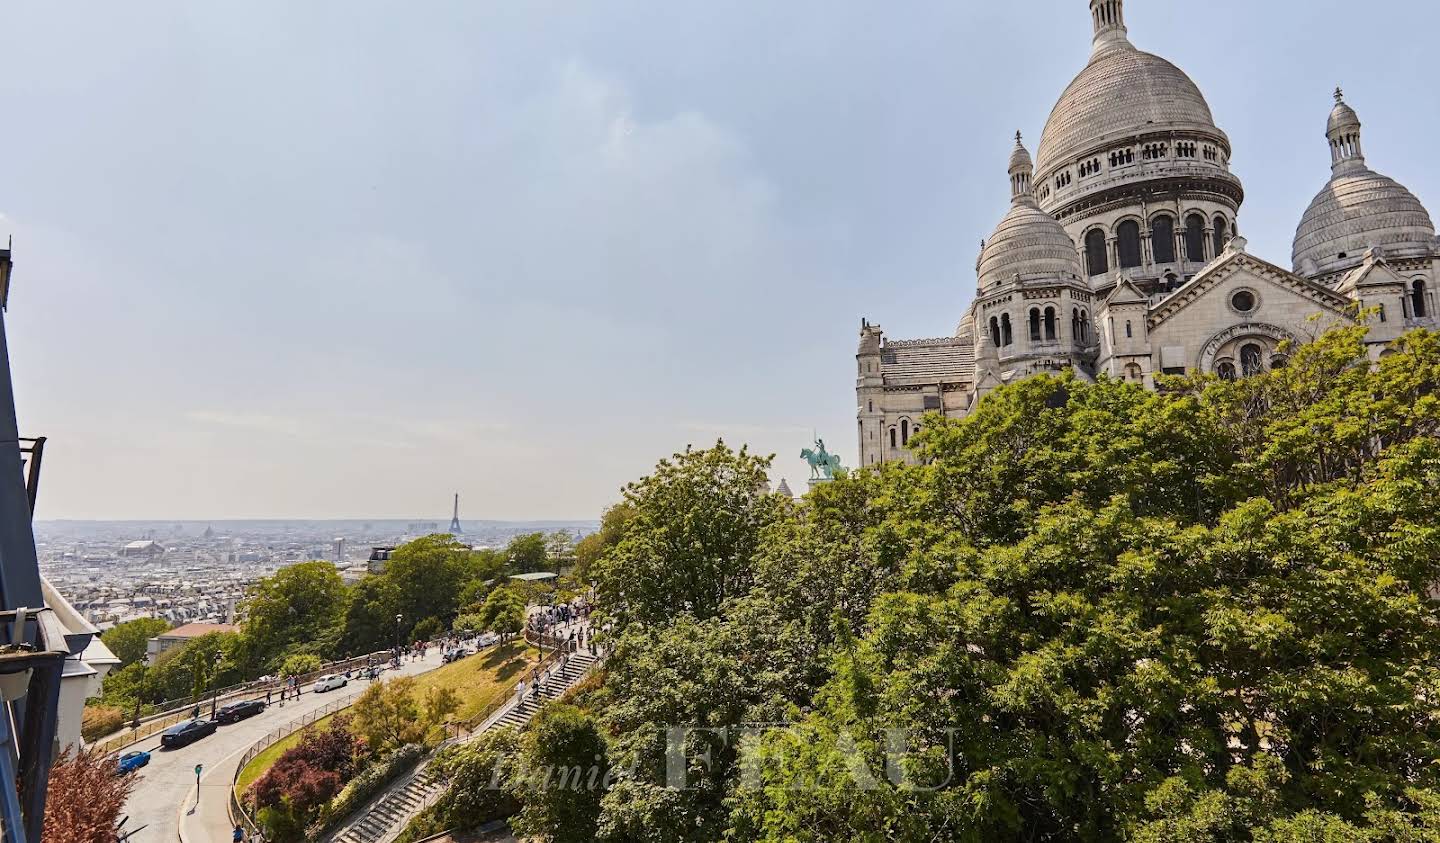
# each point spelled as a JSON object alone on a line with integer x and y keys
{"x": 536, "y": 249}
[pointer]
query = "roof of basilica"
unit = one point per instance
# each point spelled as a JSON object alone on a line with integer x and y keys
{"x": 1358, "y": 209}
{"x": 1121, "y": 92}
{"x": 1028, "y": 243}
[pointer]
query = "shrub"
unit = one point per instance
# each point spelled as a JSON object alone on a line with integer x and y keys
{"x": 428, "y": 629}
{"x": 100, "y": 720}
{"x": 85, "y": 798}
{"x": 366, "y": 784}
{"x": 299, "y": 665}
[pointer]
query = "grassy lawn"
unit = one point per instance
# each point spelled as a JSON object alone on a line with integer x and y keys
{"x": 479, "y": 680}
{"x": 483, "y": 678}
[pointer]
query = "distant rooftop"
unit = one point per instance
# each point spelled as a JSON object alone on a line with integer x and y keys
{"x": 195, "y": 630}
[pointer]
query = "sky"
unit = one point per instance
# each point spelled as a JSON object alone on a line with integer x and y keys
{"x": 346, "y": 258}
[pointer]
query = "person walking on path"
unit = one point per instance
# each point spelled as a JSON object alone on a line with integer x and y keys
{"x": 239, "y": 835}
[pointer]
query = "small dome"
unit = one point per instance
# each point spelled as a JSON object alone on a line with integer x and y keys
{"x": 1029, "y": 243}
{"x": 1342, "y": 117}
{"x": 1357, "y": 210}
{"x": 1020, "y": 156}
{"x": 1122, "y": 92}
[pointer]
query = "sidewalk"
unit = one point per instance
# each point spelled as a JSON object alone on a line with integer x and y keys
{"x": 209, "y": 821}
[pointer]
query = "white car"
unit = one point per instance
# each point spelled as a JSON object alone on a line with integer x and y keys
{"x": 487, "y": 639}
{"x": 330, "y": 683}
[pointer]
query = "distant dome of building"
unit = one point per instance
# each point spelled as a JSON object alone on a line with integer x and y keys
{"x": 1028, "y": 243}
{"x": 1358, "y": 208}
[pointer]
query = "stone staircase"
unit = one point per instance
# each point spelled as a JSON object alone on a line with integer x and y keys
{"x": 386, "y": 816}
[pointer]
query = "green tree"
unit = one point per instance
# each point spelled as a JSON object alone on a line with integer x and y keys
{"x": 503, "y": 612}
{"x": 481, "y": 778}
{"x": 426, "y": 578}
{"x": 564, "y": 756}
{"x": 298, "y": 608}
{"x": 691, "y": 542}
{"x": 428, "y": 629}
{"x": 128, "y": 640}
{"x": 388, "y": 714}
{"x": 590, "y": 548}
{"x": 1198, "y": 614}
{"x": 369, "y": 623}
{"x": 195, "y": 668}
{"x": 300, "y": 664}
{"x": 527, "y": 553}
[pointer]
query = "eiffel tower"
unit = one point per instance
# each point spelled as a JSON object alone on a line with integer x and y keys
{"x": 455, "y": 519}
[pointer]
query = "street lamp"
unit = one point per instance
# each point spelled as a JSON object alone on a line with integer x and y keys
{"x": 214, "y": 684}
{"x": 398, "y": 618}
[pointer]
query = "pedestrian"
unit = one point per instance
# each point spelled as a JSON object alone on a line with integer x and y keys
{"x": 267, "y": 696}
{"x": 520, "y": 691}
{"x": 239, "y": 835}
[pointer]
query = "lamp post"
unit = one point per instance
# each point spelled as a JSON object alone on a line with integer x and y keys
{"x": 214, "y": 684}
{"x": 398, "y": 618}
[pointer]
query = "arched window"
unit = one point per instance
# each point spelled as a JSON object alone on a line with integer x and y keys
{"x": 1034, "y": 324}
{"x": 1084, "y": 327}
{"x": 1128, "y": 235}
{"x": 1005, "y": 332}
{"x": 1226, "y": 370}
{"x": 892, "y": 438}
{"x": 1162, "y": 239}
{"x": 1252, "y": 360}
{"x": 904, "y": 431}
{"x": 1195, "y": 238}
{"x": 1095, "y": 258}
{"x": 1075, "y": 324}
{"x": 1221, "y": 235}
{"x": 1279, "y": 361}
{"x": 1132, "y": 372}
{"x": 995, "y": 331}
{"x": 1128, "y": 331}
{"x": 1050, "y": 323}
{"x": 1417, "y": 299}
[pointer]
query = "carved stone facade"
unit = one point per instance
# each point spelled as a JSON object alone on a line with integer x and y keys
{"x": 1121, "y": 255}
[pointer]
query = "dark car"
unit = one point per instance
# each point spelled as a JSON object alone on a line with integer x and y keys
{"x": 187, "y": 733}
{"x": 239, "y": 710}
{"x": 132, "y": 761}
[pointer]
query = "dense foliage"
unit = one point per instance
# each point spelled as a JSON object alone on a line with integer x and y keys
{"x": 1096, "y": 613}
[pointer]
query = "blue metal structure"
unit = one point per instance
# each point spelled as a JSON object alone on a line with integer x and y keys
{"x": 33, "y": 644}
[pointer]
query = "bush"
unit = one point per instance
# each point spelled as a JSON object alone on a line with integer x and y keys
{"x": 100, "y": 720}
{"x": 428, "y": 630}
{"x": 299, "y": 665}
{"x": 85, "y": 799}
{"x": 469, "y": 622}
{"x": 366, "y": 784}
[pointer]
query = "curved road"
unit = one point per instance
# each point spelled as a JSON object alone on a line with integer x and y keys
{"x": 164, "y": 795}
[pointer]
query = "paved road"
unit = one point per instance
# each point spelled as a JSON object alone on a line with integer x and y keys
{"x": 164, "y": 794}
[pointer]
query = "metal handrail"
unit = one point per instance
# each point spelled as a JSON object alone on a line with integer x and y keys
{"x": 238, "y": 814}
{"x": 162, "y": 720}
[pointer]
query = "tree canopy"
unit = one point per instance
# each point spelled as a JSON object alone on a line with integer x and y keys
{"x": 129, "y": 640}
{"x": 1094, "y": 612}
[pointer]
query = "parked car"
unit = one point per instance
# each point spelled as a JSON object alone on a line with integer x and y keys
{"x": 187, "y": 733}
{"x": 330, "y": 683}
{"x": 132, "y": 761}
{"x": 236, "y": 711}
{"x": 486, "y": 640}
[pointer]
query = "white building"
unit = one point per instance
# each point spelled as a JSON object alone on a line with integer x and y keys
{"x": 1121, "y": 254}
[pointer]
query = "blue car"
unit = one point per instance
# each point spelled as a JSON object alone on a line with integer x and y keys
{"x": 132, "y": 761}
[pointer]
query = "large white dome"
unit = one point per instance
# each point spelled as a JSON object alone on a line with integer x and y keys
{"x": 1121, "y": 93}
